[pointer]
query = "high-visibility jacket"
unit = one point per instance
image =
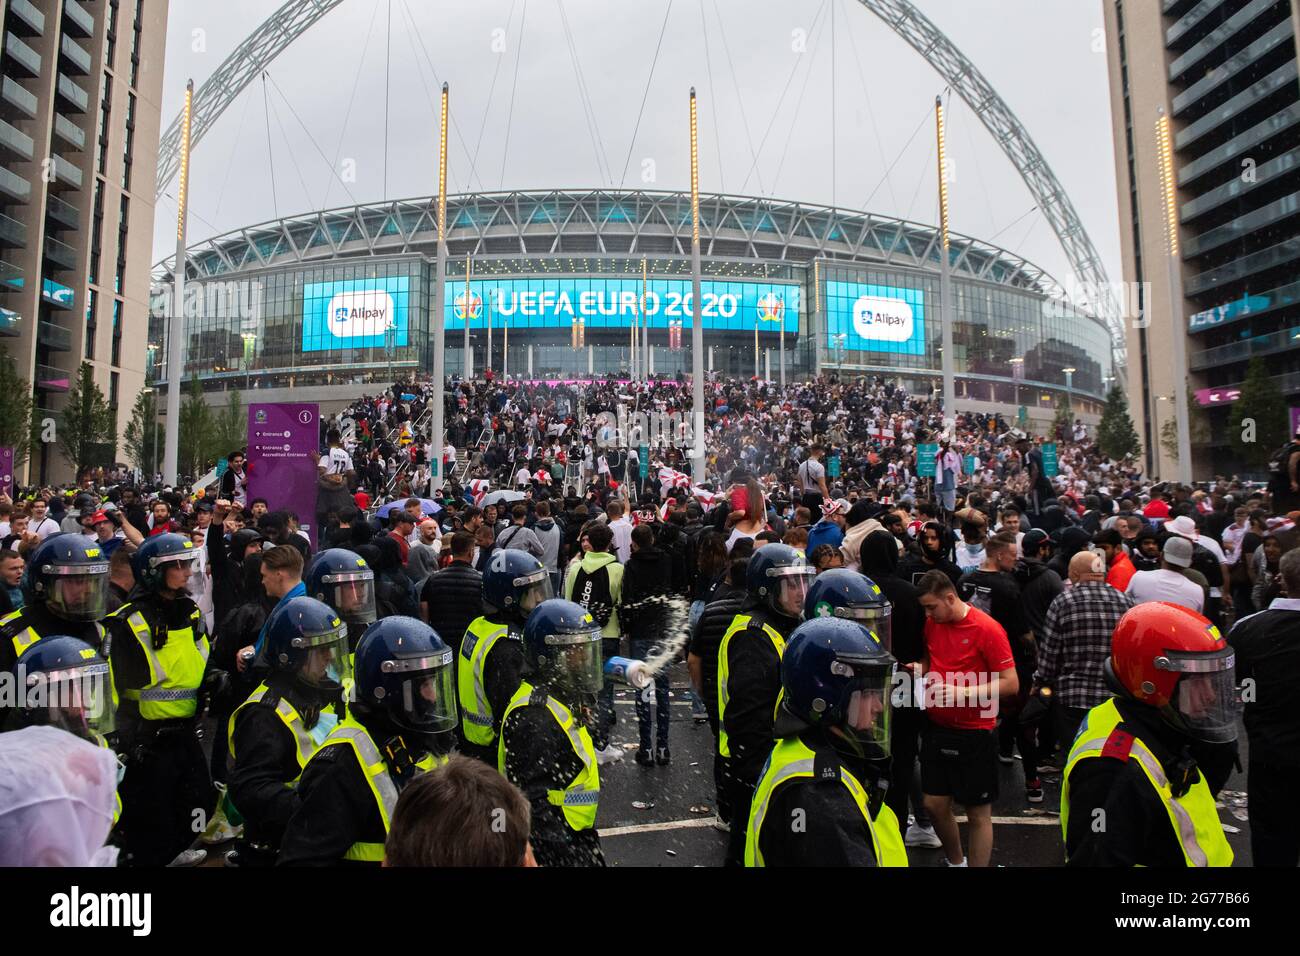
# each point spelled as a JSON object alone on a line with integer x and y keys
{"x": 792, "y": 759}
{"x": 175, "y": 669}
{"x": 305, "y": 744}
{"x": 117, "y": 797}
{"x": 581, "y": 797}
{"x": 739, "y": 624}
{"x": 25, "y": 637}
{"x": 1193, "y": 816}
{"x": 350, "y": 733}
{"x": 471, "y": 664}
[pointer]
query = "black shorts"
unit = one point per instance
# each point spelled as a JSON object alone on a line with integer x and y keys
{"x": 962, "y": 764}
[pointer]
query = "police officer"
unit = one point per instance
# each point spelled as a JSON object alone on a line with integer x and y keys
{"x": 842, "y": 593}
{"x": 63, "y": 682}
{"x": 545, "y": 747}
{"x": 65, "y": 591}
{"x": 159, "y": 655}
{"x": 342, "y": 579}
{"x": 284, "y": 721}
{"x": 1141, "y": 779}
{"x": 749, "y": 673}
{"x": 491, "y": 659}
{"x": 830, "y": 766}
{"x": 398, "y": 727}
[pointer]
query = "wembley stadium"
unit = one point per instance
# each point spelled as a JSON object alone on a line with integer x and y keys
{"x": 331, "y": 303}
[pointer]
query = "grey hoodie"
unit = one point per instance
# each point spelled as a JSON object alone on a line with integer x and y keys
{"x": 548, "y": 533}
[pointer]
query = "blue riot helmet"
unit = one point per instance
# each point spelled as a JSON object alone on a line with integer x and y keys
{"x": 342, "y": 579}
{"x": 307, "y": 639}
{"x": 835, "y": 674}
{"x": 562, "y": 645}
{"x": 847, "y": 594}
{"x": 515, "y": 582}
{"x": 63, "y": 682}
{"x": 405, "y": 672}
{"x": 68, "y": 573}
{"x": 778, "y": 577}
{"x": 149, "y": 563}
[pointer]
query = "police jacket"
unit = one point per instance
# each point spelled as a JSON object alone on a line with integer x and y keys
{"x": 539, "y": 758}
{"x": 707, "y": 638}
{"x": 834, "y": 832}
{"x": 130, "y": 666}
{"x": 503, "y": 669}
{"x": 267, "y": 759}
{"x": 1137, "y": 830}
{"x": 754, "y": 683}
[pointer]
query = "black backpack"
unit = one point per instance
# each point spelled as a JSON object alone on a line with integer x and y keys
{"x": 1204, "y": 561}
{"x": 593, "y": 593}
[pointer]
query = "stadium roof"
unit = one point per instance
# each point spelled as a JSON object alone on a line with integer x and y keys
{"x": 605, "y": 223}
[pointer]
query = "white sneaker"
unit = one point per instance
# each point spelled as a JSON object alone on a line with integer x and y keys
{"x": 611, "y": 754}
{"x": 918, "y": 835}
{"x": 189, "y": 858}
{"x": 954, "y": 865}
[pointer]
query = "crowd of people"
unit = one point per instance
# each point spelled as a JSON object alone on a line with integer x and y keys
{"x": 366, "y": 670}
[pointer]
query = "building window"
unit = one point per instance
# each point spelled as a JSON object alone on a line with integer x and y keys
{"x": 113, "y": 383}
{"x": 117, "y": 332}
{"x": 135, "y": 42}
{"x": 92, "y": 304}
{"x": 105, "y": 106}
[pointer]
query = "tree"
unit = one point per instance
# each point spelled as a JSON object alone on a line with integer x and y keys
{"x": 86, "y": 421}
{"x": 230, "y": 427}
{"x": 143, "y": 437}
{"x": 1116, "y": 436}
{"x": 1258, "y": 423}
{"x": 196, "y": 435}
{"x": 15, "y": 410}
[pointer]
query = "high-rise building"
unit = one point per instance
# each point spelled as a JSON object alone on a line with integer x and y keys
{"x": 80, "y": 91}
{"x": 1224, "y": 74}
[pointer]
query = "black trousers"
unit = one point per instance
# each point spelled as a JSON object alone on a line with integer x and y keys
{"x": 741, "y": 797}
{"x": 905, "y": 747}
{"x": 1274, "y": 822}
{"x": 167, "y": 795}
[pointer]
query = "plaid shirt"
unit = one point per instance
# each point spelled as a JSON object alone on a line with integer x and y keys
{"x": 1076, "y": 642}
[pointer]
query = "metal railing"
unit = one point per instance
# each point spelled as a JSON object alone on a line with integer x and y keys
{"x": 404, "y": 465}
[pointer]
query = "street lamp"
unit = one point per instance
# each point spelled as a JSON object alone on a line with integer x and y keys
{"x": 153, "y": 459}
{"x": 250, "y": 339}
{"x": 840, "y": 339}
{"x": 1017, "y": 373}
{"x": 1069, "y": 387}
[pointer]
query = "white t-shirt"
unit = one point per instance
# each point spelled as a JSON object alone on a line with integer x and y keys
{"x": 523, "y": 477}
{"x": 809, "y": 473}
{"x": 43, "y": 528}
{"x": 336, "y": 462}
{"x": 967, "y": 559}
{"x": 1165, "y": 585}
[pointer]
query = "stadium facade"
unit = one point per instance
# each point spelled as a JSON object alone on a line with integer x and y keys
{"x": 345, "y": 297}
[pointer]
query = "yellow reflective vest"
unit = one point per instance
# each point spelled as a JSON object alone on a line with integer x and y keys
{"x": 350, "y": 733}
{"x": 175, "y": 669}
{"x": 792, "y": 759}
{"x": 1193, "y": 815}
{"x": 305, "y": 743}
{"x": 738, "y": 624}
{"x": 476, "y": 712}
{"x": 580, "y": 799}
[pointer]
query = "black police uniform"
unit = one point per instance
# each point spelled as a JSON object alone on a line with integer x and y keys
{"x": 167, "y": 794}
{"x": 1137, "y": 830}
{"x": 266, "y": 764}
{"x": 540, "y": 757}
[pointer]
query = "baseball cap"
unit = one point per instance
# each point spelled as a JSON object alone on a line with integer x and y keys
{"x": 97, "y": 517}
{"x": 1178, "y": 552}
{"x": 1156, "y": 509}
{"x": 1033, "y": 540}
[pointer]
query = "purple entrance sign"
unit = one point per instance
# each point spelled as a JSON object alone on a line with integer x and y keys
{"x": 7, "y": 471}
{"x": 283, "y": 442}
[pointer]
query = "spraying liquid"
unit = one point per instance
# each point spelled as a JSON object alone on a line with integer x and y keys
{"x": 624, "y": 670}
{"x": 674, "y": 635}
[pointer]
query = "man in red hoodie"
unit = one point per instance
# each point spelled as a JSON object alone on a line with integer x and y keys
{"x": 1119, "y": 569}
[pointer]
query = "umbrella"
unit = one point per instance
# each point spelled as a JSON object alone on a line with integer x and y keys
{"x": 500, "y": 497}
{"x": 427, "y": 505}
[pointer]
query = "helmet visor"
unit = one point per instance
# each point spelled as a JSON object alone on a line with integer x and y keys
{"x": 576, "y": 660}
{"x": 77, "y": 699}
{"x": 877, "y": 618}
{"x": 428, "y": 692}
{"x": 790, "y": 592}
{"x": 326, "y": 663}
{"x": 532, "y": 589}
{"x": 353, "y": 598}
{"x": 867, "y": 714}
{"x": 1205, "y": 697}
{"x": 80, "y": 593}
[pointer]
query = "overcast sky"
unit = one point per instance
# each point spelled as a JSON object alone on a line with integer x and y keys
{"x": 522, "y": 122}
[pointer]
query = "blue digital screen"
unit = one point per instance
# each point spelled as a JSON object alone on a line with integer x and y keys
{"x": 615, "y": 303}
{"x": 875, "y": 318}
{"x": 356, "y": 314}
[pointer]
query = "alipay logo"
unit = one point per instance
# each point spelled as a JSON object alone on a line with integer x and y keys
{"x": 359, "y": 314}
{"x": 888, "y": 320}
